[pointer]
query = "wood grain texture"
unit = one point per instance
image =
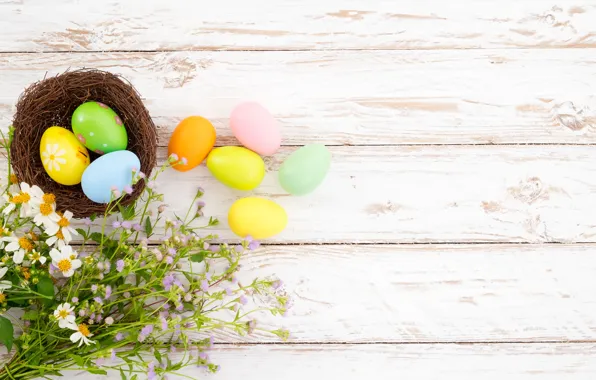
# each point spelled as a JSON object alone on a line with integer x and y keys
{"x": 389, "y": 362}
{"x": 70, "y": 25}
{"x": 429, "y": 293}
{"x": 354, "y": 98}
{"x": 420, "y": 194}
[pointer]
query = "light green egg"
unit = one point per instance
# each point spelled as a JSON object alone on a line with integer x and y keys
{"x": 305, "y": 169}
{"x": 99, "y": 128}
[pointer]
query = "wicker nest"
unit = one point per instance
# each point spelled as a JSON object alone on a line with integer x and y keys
{"x": 52, "y": 101}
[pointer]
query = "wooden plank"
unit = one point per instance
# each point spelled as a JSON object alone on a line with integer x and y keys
{"x": 430, "y": 293}
{"x": 70, "y": 25}
{"x": 412, "y": 362}
{"x": 355, "y": 98}
{"x": 420, "y": 195}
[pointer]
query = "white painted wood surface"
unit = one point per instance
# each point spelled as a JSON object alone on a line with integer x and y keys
{"x": 390, "y": 362}
{"x": 356, "y": 73}
{"x": 72, "y": 25}
{"x": 347, "y": 97}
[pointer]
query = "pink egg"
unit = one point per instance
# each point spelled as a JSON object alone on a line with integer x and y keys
{"x": 255, "y": 128}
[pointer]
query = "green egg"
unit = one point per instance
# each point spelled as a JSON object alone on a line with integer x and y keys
{"x": 305, "y": 169}
{"x": 99, "y": 128}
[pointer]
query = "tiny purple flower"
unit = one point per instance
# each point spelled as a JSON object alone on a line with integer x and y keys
{"x": 184, "y": 161}
{"x": 82, "y": 313}
{"x": 208, "y": 276}
{"x": 164, "y": 314}
{"x": 147, "y": 330}
{"x": 137, "y": 227}
{"x": 141, "y": 175}
{"x": 75, "y": 299}
{"x": 98, "y": 299}
{"x": 98, "y": 318}
{"x": 116, "y": 192}
{"x": 254, "y": 245}
{"x": 211, "y": 342}
{"x": 164, "y": 324}
{"x": 229, "y": 291}
{"x": 277, "y": 284}
{"x": 239, "y": 248}
{"x": 171, "y": 251}
{"x": 173, "y": 157}
{"x": 94, "y": 288}
{"x": 169, "y": 259}
{"x": 172, "y": 349}
{"x": 107, "y": 266}
{"x": 204, "y": 285}
{"x": 243, "y": 300}
{"x": 214, "y": 248}
{"x": 127, "y": 225}
{"x": 179, "y": 307}
{"x": 99, "y": 362}
{"x": 151, "y": 184}
{"x": 201, "y": 204}
{"x": 92, "y": 316}
{"x": 113, "y": 355}
{"x": 116, "y": 224}
{"x": 248, "y": 238}
{"x": 108, "y": 291}
{"x": 128, "y": 189}
{"x": 151, "y": 371}
{"x": 166, "y": 306}
{"x": 87, "y": 222}
{"x": 203, "y": 355}
{"x": 120, "y": 265}
{"x": 118, "y": 337}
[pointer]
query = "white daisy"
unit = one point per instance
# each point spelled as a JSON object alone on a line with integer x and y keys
{"x": 4, "y": 284}
{"x": 57, "y": 240}
{"x": 45, "y": 213}
{"x": 36, "y": 256}
{"x": 81, "y": 335}
{"x": 27, "y": 197}
{"x": 64, "y": 313}
{"x": 65, "y": 260}
{"x": 63, "y": 227}
{"x": 19, "y": 246}
{"x": 52, "y": 157}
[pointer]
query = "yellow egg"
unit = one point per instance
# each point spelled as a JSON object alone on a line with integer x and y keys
{"x": 257, "y": 217}
{"x": 63, "y": 157}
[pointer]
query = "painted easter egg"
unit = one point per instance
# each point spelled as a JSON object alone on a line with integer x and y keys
{"x": 63, "y": 157}
{"x": 192, "y": 139}
{"x": 304, "y": 170}
{"x": 255, "y": 128}
{"x": 236, "y": 167}
{"x": 257, "y": 217}
{"x": 99, "y": 128}
{"x": 112, "y": 170}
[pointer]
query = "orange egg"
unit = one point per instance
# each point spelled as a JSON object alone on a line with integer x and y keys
{"x": 192, "y": 139}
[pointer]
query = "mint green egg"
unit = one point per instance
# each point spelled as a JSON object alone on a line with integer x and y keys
{"x": 305, "y": 169}
{"x": 99, "y": 128}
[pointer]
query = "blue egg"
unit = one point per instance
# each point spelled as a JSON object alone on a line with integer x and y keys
{"x": 112, "y": 170}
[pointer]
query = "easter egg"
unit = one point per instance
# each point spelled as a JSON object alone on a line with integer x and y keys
{"x": 192, "y": 139}
{"x": 255, "y": 128}
{"x": 257, "y": 217}
{"x": 99, "y": 128}
{"x": 236, "y": 167}
{"x": 110, "y": 171}
{"x": 304, "y": 170}
{"x": 63, "y": 157}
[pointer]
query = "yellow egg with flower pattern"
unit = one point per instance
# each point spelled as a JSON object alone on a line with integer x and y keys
{"x": 63, "y": 156}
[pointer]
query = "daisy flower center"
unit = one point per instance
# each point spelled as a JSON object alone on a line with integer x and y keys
{"x": 26, "y": 273}
{"x": 16, "y": 199}
{"x": 45, "y": 209}
{"x": 63, "y": 222}
{"x": 2, "y": 298}
{"x": 84, "y": 330}
{"x": 49, "y": 198}
{"x": 62, "y": 314}
{"x": 60, "y": 235}
{"x": 64, "y": 265}
{"x": 14, "y": 179}
{"x": 35, "y": 256}
{"x": 26, "y": 244}
{"x": 34, "y": 236}
{"x": 25, "y": 197}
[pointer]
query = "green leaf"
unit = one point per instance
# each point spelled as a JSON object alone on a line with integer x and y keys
{"x": 45, "y": 286}
{"x": 78, "y": 359}
{"x": 197, "y": 257}
{"x": 122, "y": 374}
{"x": 93, "y": 217}
{"x": 82, "y": 232}
{"x": 157, "y": 355}
{"x": 135, "y": 377}
{"x": 96, "y": 237}
{"x": 97, "y": 371}
{"x": 30, "y": 315}
{"x": 127, "y": 212}
{"x": 148, "y": 227}
{"x": 6, "y": 332}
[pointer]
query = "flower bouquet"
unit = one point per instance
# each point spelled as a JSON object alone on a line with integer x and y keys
{"x": 116, "y": 302}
